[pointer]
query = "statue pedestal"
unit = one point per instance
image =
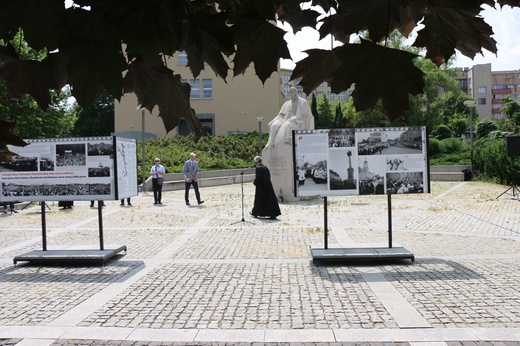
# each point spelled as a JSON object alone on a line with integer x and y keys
{"x": 279, "y": 160}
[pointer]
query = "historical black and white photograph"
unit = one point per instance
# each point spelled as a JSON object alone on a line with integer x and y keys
{"x": 99, "y": 171}
{"x": 311, "y": 172}
{"x": 405, "y": 182}
{"x": 70, "y": 155}
{"x": 20, "y": 164}
{"x": 46, "y": 164}
{"x": 22, "y": 190}
{"x": 342, "y": 173}
{"x": 99, "y": 189}
{"x": 100, "y": 149}
{"x": 341, "y": 138}
{"x": 389, "y": 141}
{"x": 371, "y": 175}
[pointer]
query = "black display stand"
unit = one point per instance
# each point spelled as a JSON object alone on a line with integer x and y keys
{"x": 70, "y": 257}
{"x": 360, "y": 255}
{"x": 514, "y": 190}
{"x": 243, "y": 220}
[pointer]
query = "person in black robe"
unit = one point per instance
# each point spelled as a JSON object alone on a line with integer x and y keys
{"x": 66, "y": 204}
{"x": 266, "y": 202}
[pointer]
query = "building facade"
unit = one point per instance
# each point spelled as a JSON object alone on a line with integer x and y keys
{"x": 223, "y": 107}
{"x": 488, "y": 88}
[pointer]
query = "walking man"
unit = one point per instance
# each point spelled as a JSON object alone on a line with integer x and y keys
{"x": 191, "y": 173}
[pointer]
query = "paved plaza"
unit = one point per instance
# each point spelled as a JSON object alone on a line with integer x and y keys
{"x": 199, "y": 275}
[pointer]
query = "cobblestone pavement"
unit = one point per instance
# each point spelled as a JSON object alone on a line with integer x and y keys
{"x": 202, "y": 275}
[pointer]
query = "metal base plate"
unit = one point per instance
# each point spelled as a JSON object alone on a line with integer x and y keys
{"x": 360, "y": 255}
{"x": 68, "y": 257}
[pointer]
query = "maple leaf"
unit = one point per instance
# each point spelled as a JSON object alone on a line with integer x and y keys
{"x": 215, "y": 39}
{"x": 449, "y": 25}
{"x": 35, "y": 78}
{"x": 379, "y": 17}
{"x": 325, "y": 4}
{"x": 315, "y": 69}
{"x": 7, "y": 138}
{"x": 96, "y": 61}
{"x": 155, "y": 84}
{"x": 512, "y": 3}
{"x": 299, "y": 19}
{"x": 148, "y": 29}
{"x": 377, "y": 72}
{"x": 41, "y": 20}
{"x": 260, "y": 42}
{"x": 334, "y": 25}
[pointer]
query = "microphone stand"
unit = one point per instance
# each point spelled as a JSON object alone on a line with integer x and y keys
{"x": 242, "y": 188}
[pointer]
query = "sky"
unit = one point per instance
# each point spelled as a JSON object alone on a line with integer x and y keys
{"x": 505, "y": 24}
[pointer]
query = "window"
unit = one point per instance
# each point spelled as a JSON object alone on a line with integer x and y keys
{"x": 481, "y": 90}
{"x": 195, "y": 89}
{"x": 498, "y": 96}
{"x": 287, "y": 77}
{"x": 182, "y": 59}
{"x": 207, "y": 121}
{"x": 481, "y": 101}
{"x": 207, "y": 89}
{"x": 286, "y": 88}
{"x": 498, "y": 86}
{"x": 330, "y": 95}
{"x": 510, "y": 86}
{"x": 497, "y": 106}
{"x": 342, "y": 96}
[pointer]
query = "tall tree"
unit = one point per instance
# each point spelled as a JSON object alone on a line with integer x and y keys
{"x": 325, "y": 117}
{"x": 314, "y": 106}
{"x": 512, "y": 113}
{"x": 97, "y": 119}
{"x": 338, "y": 117}
{"x": 121, "y": 46}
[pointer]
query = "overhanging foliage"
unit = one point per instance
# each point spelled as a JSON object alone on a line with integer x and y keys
{"x": 119, "y": 46}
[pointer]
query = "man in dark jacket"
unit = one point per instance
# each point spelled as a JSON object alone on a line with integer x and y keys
{"x": 266, "y": 203}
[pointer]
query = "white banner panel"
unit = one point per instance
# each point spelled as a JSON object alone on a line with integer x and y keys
{"x": 367, "y": 161}
{"x": 67, "y": 169}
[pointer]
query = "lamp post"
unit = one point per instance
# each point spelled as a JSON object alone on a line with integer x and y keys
{"x": 470, "y": 104}
{"x": 259, "y": 119}
{"x": 143, "y": 158}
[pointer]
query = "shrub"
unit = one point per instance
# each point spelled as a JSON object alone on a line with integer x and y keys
{"x": 450, "y": 145}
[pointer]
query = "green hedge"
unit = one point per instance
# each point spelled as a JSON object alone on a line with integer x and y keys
{"x": 490, "y": 161}
{"x": 213, "y": 152}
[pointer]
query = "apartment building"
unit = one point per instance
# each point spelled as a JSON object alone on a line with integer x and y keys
{"x": 488, "y": 88}
{"x": 223, "y": 107}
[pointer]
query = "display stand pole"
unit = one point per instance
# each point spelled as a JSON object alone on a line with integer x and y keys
{"x": 389, "y": 198}
{"x": 513, "y": 187}
{"x": 100, "y": 222}
{"x": 325, "y": 221}
{"x": 44, "y": 227}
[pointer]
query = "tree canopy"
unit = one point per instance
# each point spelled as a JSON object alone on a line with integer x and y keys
{"x": 121, "y": 46}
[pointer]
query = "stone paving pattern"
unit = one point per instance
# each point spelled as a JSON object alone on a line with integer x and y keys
{"x": 205, "y": 269}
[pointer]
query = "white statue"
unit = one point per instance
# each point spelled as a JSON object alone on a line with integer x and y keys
{"x": 295, "y": 114}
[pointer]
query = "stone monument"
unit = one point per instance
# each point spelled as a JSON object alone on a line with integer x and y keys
{"x": 295, "y": 114}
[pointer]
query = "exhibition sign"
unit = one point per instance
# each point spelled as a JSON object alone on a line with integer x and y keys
{"x": 70, "y": 169}
{"x": 364, "y": 161}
